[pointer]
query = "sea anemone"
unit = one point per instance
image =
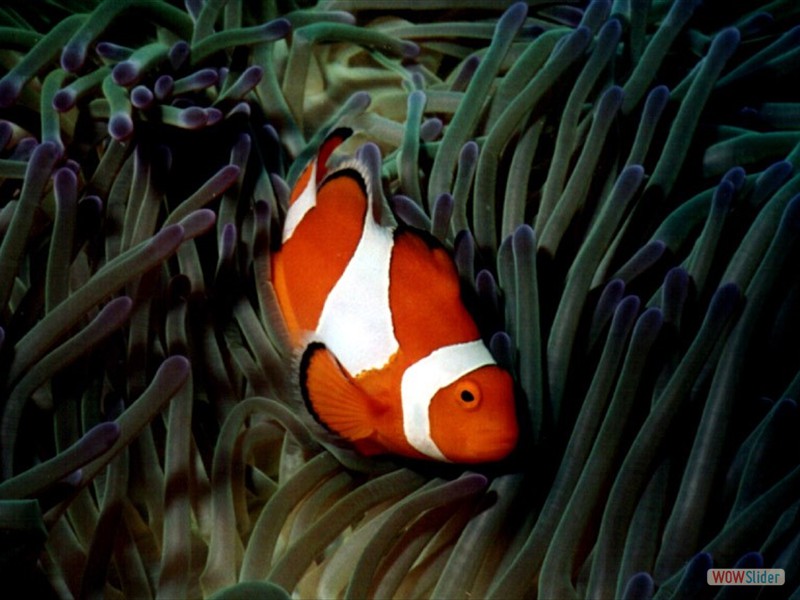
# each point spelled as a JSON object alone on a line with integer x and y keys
{"x": 618, "y": 183}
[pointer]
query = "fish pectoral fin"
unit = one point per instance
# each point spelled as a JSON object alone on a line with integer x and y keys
{"x": 331, "y": 395}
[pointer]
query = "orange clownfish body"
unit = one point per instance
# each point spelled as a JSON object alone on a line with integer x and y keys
{"x": 395, "y": 363}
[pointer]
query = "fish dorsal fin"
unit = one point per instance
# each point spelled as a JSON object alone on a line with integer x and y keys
{"x": 332, "y": 397}
{"x": 334, "y": 139}
{"x": 317, "y": 168}
{"x": 304, "y": 193}
{"x": 365, "y": 166}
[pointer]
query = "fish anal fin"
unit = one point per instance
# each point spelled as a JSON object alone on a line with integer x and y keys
{"x": 332, "y": 397}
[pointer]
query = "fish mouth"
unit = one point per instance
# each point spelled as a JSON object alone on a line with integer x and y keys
{"x": 503, "y": 448}
{"x": 504, "y": 440}
{"x": 492, "y": 447}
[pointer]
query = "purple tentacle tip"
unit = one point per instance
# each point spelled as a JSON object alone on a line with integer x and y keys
{"x": 120, "y": 127}
{"x": 276, "y": 29}
{"x": 430, "y": 129}
{"x": 627, "y": 309}
{"x": 167, "y": 239}
{"x": 650, "y": 322}
{"x": 640, "y": 585}
{"x": 502, "y": 348}
{"x": 359, "y": 100}
{"x": 100, "y": 438}
{"x": 204, "y": 78}
{"x": 141, "y": 97}
{"x": 468, "y": 155}
{"x": 46, "y": 153}
{"x": 524, "y": 240}
{"x": 444, "y": 203}
{"x": 371, "y": 155}
{"x": 194, "y": 117}
{"x": 484, "y": 281}
{"x": 64, "y": 99}
{"x": 227, "y": 241}
{"x": 197, "y": 223}
{"x": 112, "y": 52}
{"x": 178, "y": 54}
{"x": 125, "y": 73}
{"x": 514, "y": 15}
{"x": 213, "y": 116}
{"x": 241, "y": 108}
{"x": 791, "y": 215}
{"x": 65, "y": 182}
{"x": 725, "y": 300}
{"x": 163, "y": 87}
{"x": 10, "y": 88}
{"x": 72, "y": 57}
{"x": 175, "y": 368}
{"x": 409, "y": 49}
{"x": 252, "y": 75}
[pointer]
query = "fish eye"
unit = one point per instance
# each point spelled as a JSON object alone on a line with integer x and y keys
{"x": 468, "y": 394}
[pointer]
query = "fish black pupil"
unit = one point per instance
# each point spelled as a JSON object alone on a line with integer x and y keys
{"x": 467, "y": 396}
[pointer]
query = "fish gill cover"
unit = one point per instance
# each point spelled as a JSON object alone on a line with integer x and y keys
{"x": 618, "y": 181}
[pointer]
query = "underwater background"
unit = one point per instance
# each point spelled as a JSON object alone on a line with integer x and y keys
{"x": 619, "y": 183}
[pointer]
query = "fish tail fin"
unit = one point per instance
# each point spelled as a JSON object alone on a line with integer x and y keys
{"x": 332, "y": 397}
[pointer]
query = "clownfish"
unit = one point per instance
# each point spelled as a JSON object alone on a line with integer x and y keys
{"x": 389, "y": 357}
